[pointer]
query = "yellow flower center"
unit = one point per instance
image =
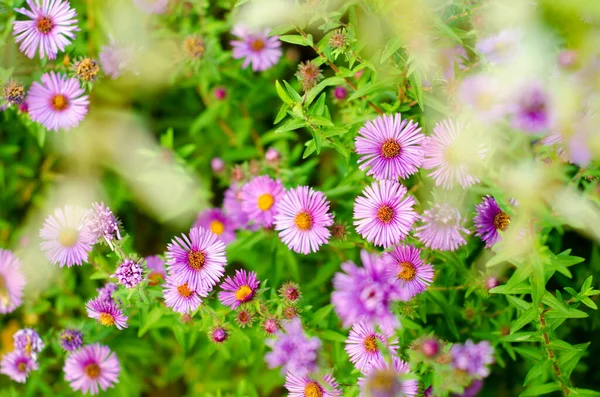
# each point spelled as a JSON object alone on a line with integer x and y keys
{"x": 304, "y": 221}
{"x": 265, "y": 201}
{"x": 385, "y": 214}
{"x": 313, "y": 389}
{"x": 390, "y": 149}
{"x": 68, "y": 237}
{"x": 370, "y": 344}
{"x": 257, "y": 45}
{"x": 184, "y": 290}
{"x": 193, "y": 47}
{"x": 196, "y": 259}
{"x": 106, "y": 319}
{"x": 217, "y": 227}
{"x": 407, "y": 271}
{"x": 60, "y": 102}
{"x": 243, "y": 293}
{"x": 44, "y": 25}
{"x": 501, "y": 221}
{"x": 382, "y": 381}
{"x": 22, "y": 367}
{"x": 92, "y": 370}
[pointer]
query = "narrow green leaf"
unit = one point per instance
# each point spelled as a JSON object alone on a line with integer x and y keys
{"x": 528, "y": 316}
{"x": 539, "y": 390}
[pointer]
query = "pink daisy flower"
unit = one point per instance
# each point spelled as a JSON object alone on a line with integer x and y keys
{"x": 92, "y": 367}
{"x": 442, "y": 228}
{"x": 107, "y": 313}
{"x": 256, "y": 48}
{"x": 388, "y": 379}
{"x": 411, "y": 274}
{"x": 181, "y": 298}
{"x": 65, "y": 236}
{"x": 197, "y": 259}
{"x": 441, "y": 154}
{"x": 217, "y": 222}
{"x": 12, "y": 282}
{"x": 59, "y": 102}
{"x": 51, "y": 27}
{"x": 384, "y": 215}
{"x": 303, "y": 219}
{"x": 390, "y": 147}
{"x": 363, "y": 345}
{"x": 306, "y": 386}
{"x": 17, "y": 365}
{"x": 260, "y": 197}
{"x": 239, "y": 289}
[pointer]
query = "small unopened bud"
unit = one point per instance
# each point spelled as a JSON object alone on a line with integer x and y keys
{"x": 339, "y": 231}
{"x": 491, "y": 282}
{"x": 309, "y": 74}
{"x": 271, "y": 325}
{"x": 217, "y": 164}
{"x": 272, "y": 155}
{"x": 430, "y": 347}
{"x": 193, "y": 47}
{"x": 237, "y": 174}
{"x": 218, "y": 334}
{"x": 340, "y": 93}
{"x": 14, "y": 93}
{"x": 337, "y": 40}
{"x": 290, "y": 312}
{"x": 220, "y": 93}
{"x": 290, "y": 292}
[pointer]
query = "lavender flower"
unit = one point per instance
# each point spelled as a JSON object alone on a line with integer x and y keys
{"x": 217, "y": 222}
{"x": 106, "y": 313}
{"x": 17, "y": 365}
{"x": 363, "y": 345}
{"x": 181, "y": 298}
{"x": 28, "y": 341}
{"x": 103, "y": 224}
{"x": 232, "y": 206}
{"x": 410, "y": 273}
{"x": 292, "y": 350}
{"x": 12, "y": 282}
{"x": 129, "y": 273}
{"x": 306, "y": 386}
{"x": 473, "y": 358}
{"x": 532, "y": 110}
{"x": 489, "y": 220}
{"x": 92, "y": 367}
{"x": 256, "y": 48}
{"x": 71, "y": 339}
{"x": 500, "y": 48}
{"x": 259, "y": 199}
{"x": 50, "y": 28}
{"x": 383, "y": 379}
{"x": 105, "y": 293}
{"x": 441, "y": 228}
{"x": 239, "y": 289}
{"x": 303, "y": 219}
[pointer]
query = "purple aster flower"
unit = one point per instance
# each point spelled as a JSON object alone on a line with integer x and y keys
{"x": 29, "y": 341}
{"x": 51, "y": 27}
{"x": 91, "y": 367}
{"x": 116, "y": 58}
{"x": 390, "y": 147}
{"x": 103, "y": 224}
{"x": 441, "y": 228}
{"x": 306, "y": 386}
{"x": 472, "y": 390}
{"x": 484, "y": 95}
{"x": 384, "y": 215}
{"x": 232, "y": 206}
{"x": 71, "y": 339}
{"x": 260, "y": 197}
{"x": 292, "y": 350}
{"x": 364, "y": 293}
{"x": 17, "y": 365}
{"x": 444, "y": 154}
{"x": 66, "y": 240}
{"x": 383, "y": 379}
{"x": 156, "y": 266}
{"x": 152, "y": 6}
{"x": 303, "y": 219}
{"x": 363, "y": 345}
{"x": 129, "y": 273}
{"x": 256, "y": 47}
{"x": 218, "y": 334}
{"x": 197, "y": 259}
{"x": 500, "y": 48}
{"x": 532, "y": 109}
{"x": 181, "y": 298}
{"x": 218, "y": 223}
{"x": 489, "y": 219}
{"x": 106, "y": 313}
{"x": 12, "y": 282}
{"x": 59, "y": 102}
{"x": 473, "y": 358}
{"x": 105, "y": 293}
{"x": 410, "y": 273}
{"x": 239, "y": 289}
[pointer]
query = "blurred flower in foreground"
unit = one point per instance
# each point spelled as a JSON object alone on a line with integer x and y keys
{"x": 501, "y": 47}
{"x": 116, "y": 59}
{"x": 303, "y": 219}
{"x": 152, "y": 6}
{"x": 194, "y": 47}
{"x": 363, "y": 345}
{"x": 59, "y": 102}
{"x": 485, "y": 97}
{"x": 220, "y": 93}
{"x": 218, "y": 223}
{"x": 29, "y": 341}
{"x": 292, "y": 350}
{"x": 232, "y": 206}
{"x": 239, "y": 289}
{"x": 71, "y": 339}
{"x": 489, "y": 220}
{"x": 256, "y": 48}
{"x": 217, "y": 164}
{"x": 52, "y": 27}
{"x": 442, "y": 228}
{"x": 17, "y": 365}
{"x": 532, "y": 111}
{"x": 91, "y": 367}
{"x": 449, "y": 57}
{"x": 305, "y": 386}
{"x": 382, "y": 379}
{"x": 12, "y": 282}
{"x": 473, "y": 358}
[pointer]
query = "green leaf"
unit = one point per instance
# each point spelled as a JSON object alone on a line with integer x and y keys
{"x": 334, "y": 336}
{"x": 152, "y": 318}
{"x": 291, "y": 125}
{"x": 518, "y": 302}
{"x": 313, "y": 92}
{"x": 512, "y": 290}
{"x": 282, "y": 94}
{"x": 539, "y": 369}
{"x": 297, "y": 39}
{"x": 528, "y": 316}
{"x": 539, "y": 390}
{"x": 416, "y": 81}
{"x": 99, "y": 275}
{"x": 390, "y": 48}
{"x": 589, "y": 303}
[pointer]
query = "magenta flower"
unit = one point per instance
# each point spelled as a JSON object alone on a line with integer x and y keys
{"x": 232, "y": 206}
{"x": 441, "y": 228}
{"x": 260, "y": 197}
{"x": 59, "y": 102}
{"x": 152, "y": 6}
{"x": 384, "y": 215}
{"x": 303, "y": 386}
{"x": 218, "y": 334}
{"x": 107, "y": 313}
{"x": 441, "y": 155}
{"x": 303, "y": 219}
{"x": 410, "y": 273}
{"x": 364, "y": 293}
{"x": 103, "y": 224}
{"x": 385, "y": 379}
{"x": 390, "y": 147}
{"x": 197, "y": 259}
{"x": 292, "y": 350}
{"x": 51, "y": 27}
{"x": 129, "y": 273}
{"x": 532, "y": 111}
{"x": 17, "y": 365}
{"x": 91, "y": 367}
{"x": 12, "y": 282}
{"x": 489, "y": 220}
{"x": 473, "y": 358}
{"x": 181, "y": 298}
{"x": 256, "y": 48}
{"x": 217, "y": 222}
{"x": 239, "y": 289}
{"x": 363, "y": 345}
{"x": 65, "y": 236}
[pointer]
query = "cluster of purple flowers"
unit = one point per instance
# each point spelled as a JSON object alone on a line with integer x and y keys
{"x": 23, "y": 359}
